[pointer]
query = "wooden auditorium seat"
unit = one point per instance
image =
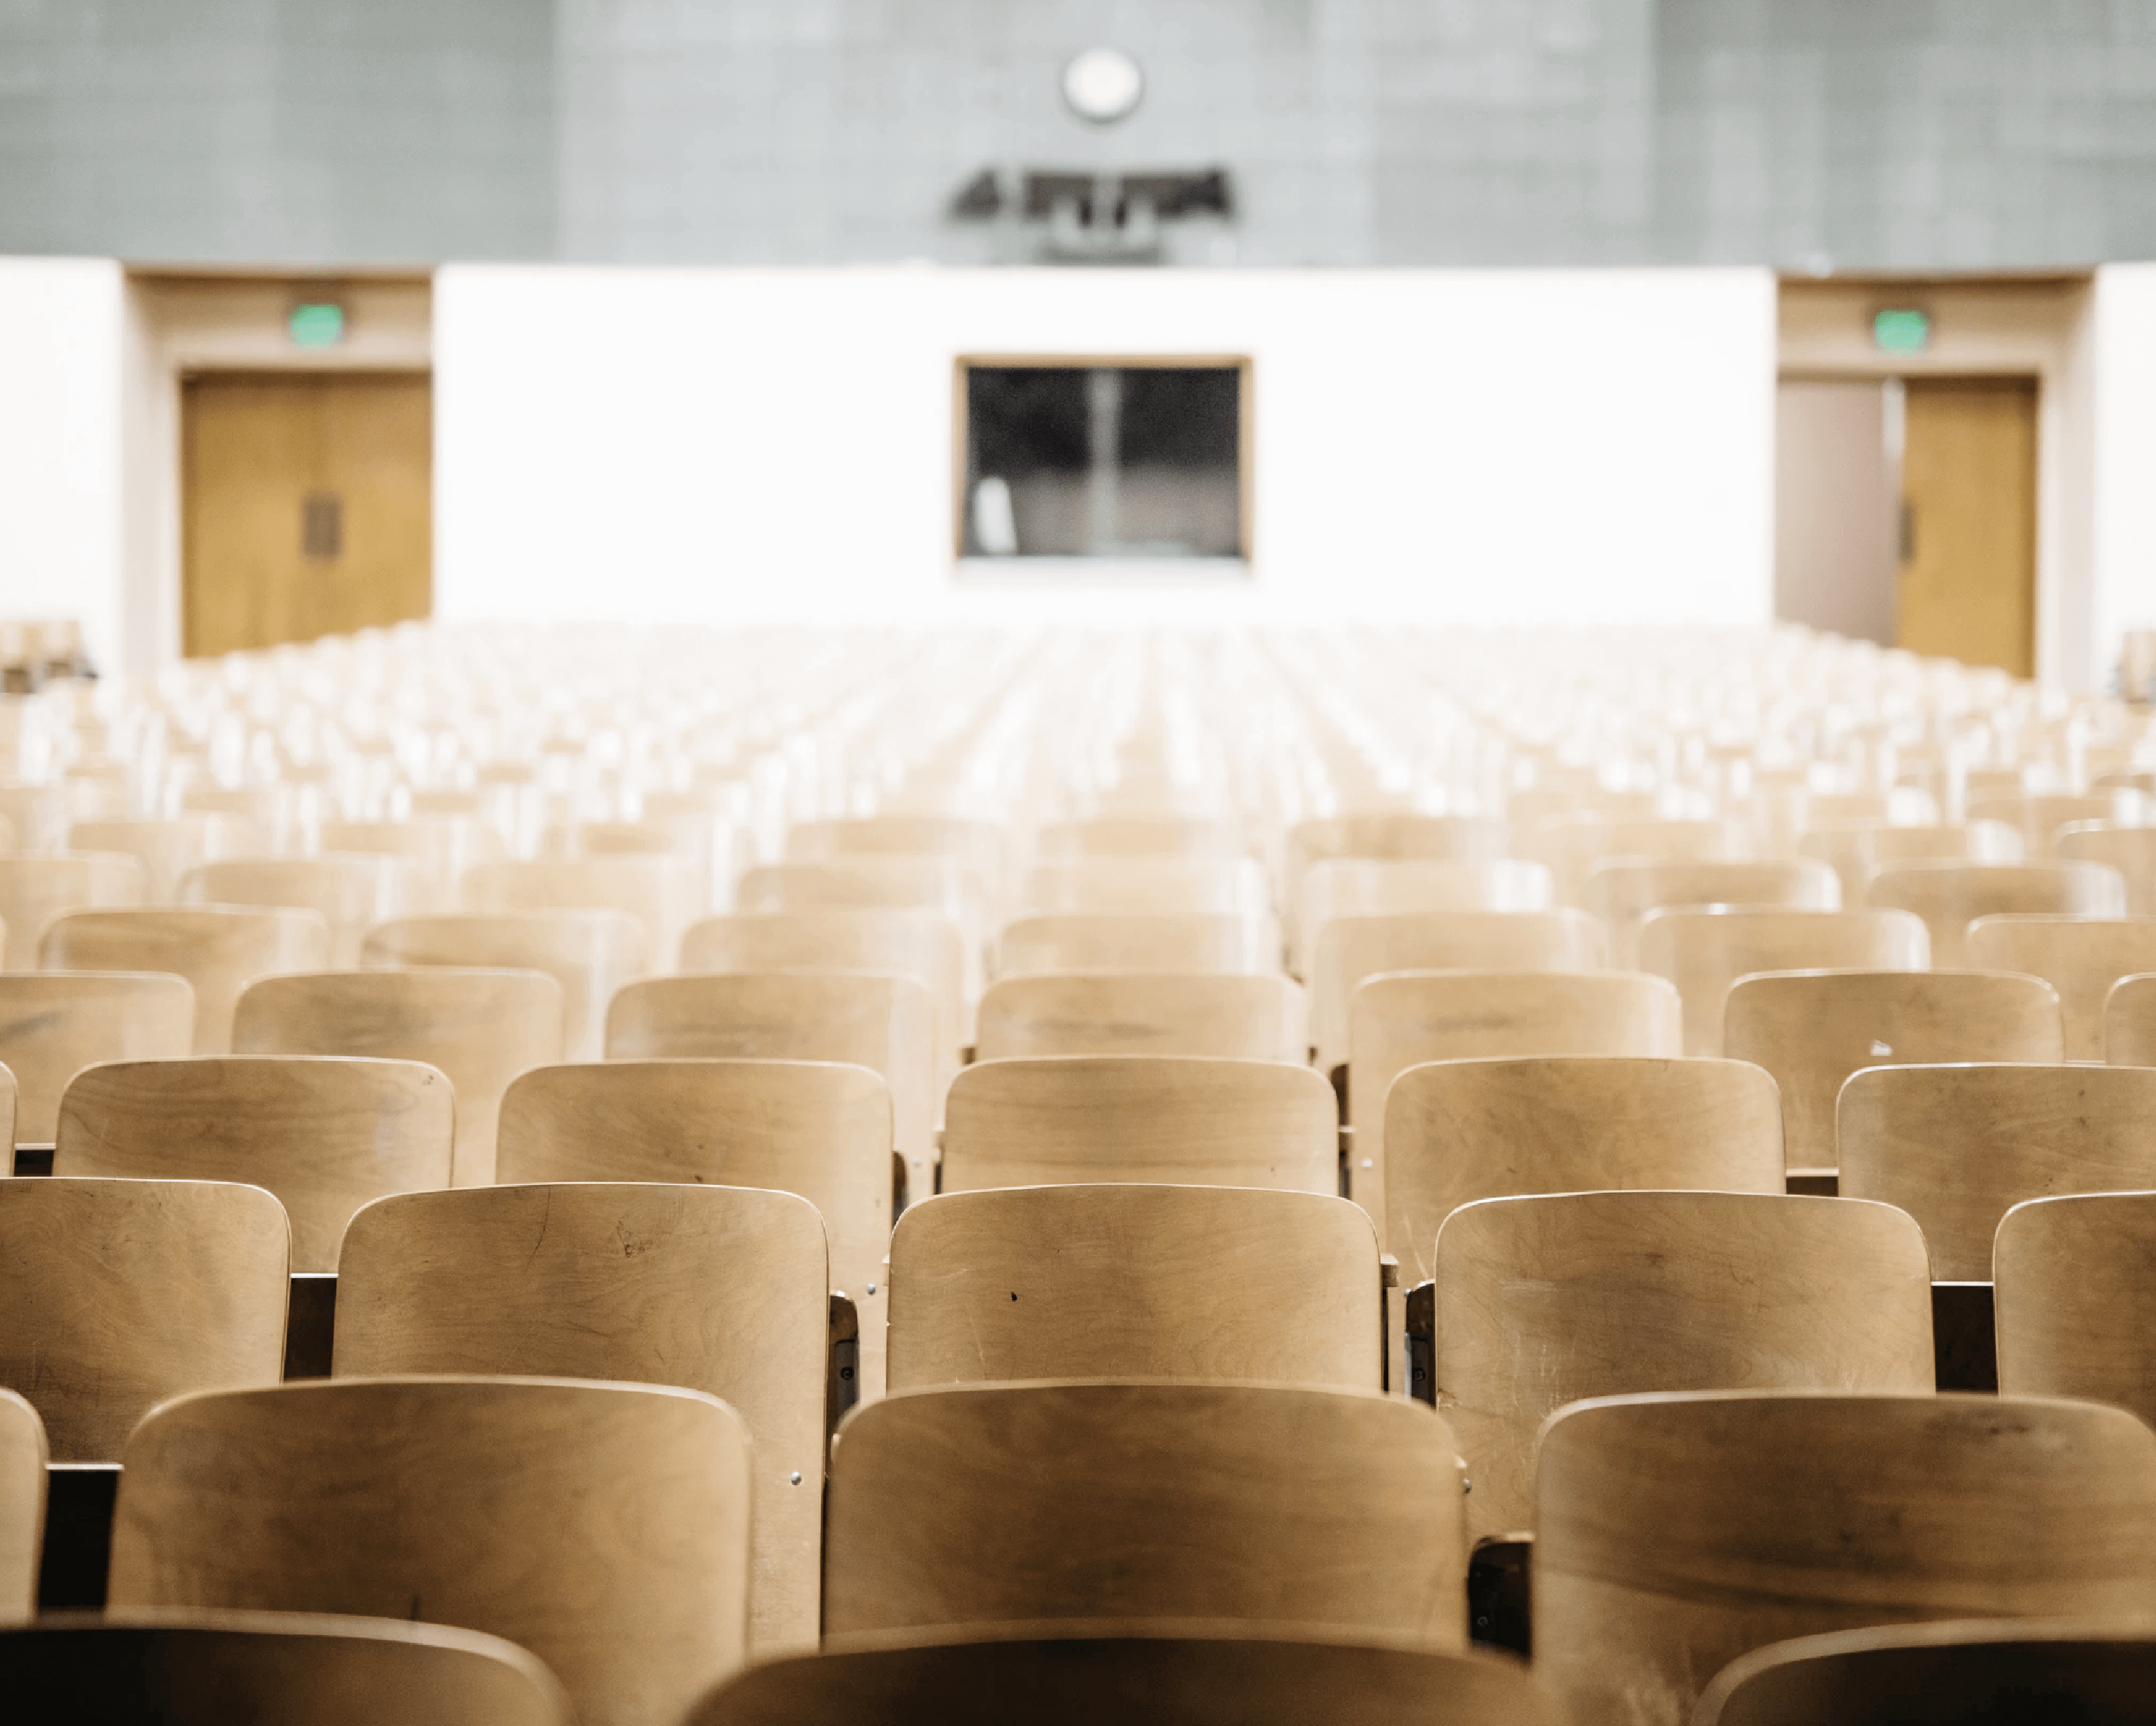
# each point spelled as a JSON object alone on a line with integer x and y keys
{"x": 663, "y": 896}
{"x": 1199, "y": 944}
{"x": 2129, "y": 1021}
{"x": 1370, "y": 886}
{"x": 23, "y": 1459}
{"x": 1949, "y": 897}
{"x": 1139, "y": 836}
{"x": 2040, "y": 818}
{"x": 1572, "y": 845}
{"x": 352, "y": 893}
{"x": 2073, "y": 1299}
{"x": 2131, "y": 850}
{"x": 1395, "y": 837}
{"x": 35, "y": 890}
{"x": 220, "y": 951}
{"x": 54, "y": 1023}
{"x": 1246, "y": 1018}
{"x": 1855, "y": 849}
{"x": 1148, "y": 886}
{"x": 2082, "y": 958}
{"x": 1622, "y": 891}
{"x": 167, "y": 848}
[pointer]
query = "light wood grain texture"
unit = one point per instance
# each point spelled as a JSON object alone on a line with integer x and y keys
{"x": 1811, "y": 1029}
{"x": 167, "y": 849}
{"x": 1061, "y": 1120}
{"x": 1940, "y": 1675}
{"x": 820, "y": 1129}
{"x": 2075, "y": 1301}
{"x": 1105, "y": 1500}
{"x": 2082, "y": 958}
{"x": 1546, "y": 1300}
{"x": 663, "y": 896}
{"x": 1572, "y": 845}
{"x": 1140, "y": 836}
{"x": 978, "y": 844}
{"x": 1959, "y": 1146}
{"x": 480, "y": 1028}
{"x": 1404, "y": 1018}
{"x": 719, "y": 1289}
{"x": 1622, "y": 892}
{"x": 1704, "y": 951}
{"x": 1674, "y": 1534}
{"x": 23, "y": 1458}
{"x": 1138, "y": 1012}
{"x": 1855, "y": 849}
{"x": 1574, "y": 792}
{"x": 1363, "y": 886}
{"x": 1949, "y": 897}
{"x": 352, "y": 893}
{"x": 1444, "y": 839}
{"x": 1136, "y": 1282}
{"x": 34, "y": 890}
{"x": 116, "y": 1294}
{"x": 53, "y": 1024}
{"x": 205, "y": 1668}
{"x": 946, "y": 885}
{"x": 2039, "y": 818}
{"x": 441, "y": 848}
{"x": 590, "y": 953}
{"x": 1219, "y": 886}
{"x": 1158, "y": 1675}
{"x": 605, "y": 1527}
{"x": 1350, "y": 950}
{"x": 1100, "y": 941}
{"x": 2131, "y": 850}
{"x": 325, "y": 1135}
{"x": 2129, "y": 1022}
{"x": 218, "y": 951}
{"x": 37, "y": 816}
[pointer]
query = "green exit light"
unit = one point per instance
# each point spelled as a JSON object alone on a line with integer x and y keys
{"x": 318, "y": 325}
{"x": 1901, "y": 330}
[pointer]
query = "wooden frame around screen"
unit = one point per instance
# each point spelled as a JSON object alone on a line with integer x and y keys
{"x": 1245, "y": 440}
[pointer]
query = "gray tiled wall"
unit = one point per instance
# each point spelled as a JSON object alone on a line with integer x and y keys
{"x": 1882, "y": 133}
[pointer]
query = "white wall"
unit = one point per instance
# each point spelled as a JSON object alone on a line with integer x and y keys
{"x": 1501, "y": 446}
{"x": 60, "y": 323}
{"x": 2124, "y": 538}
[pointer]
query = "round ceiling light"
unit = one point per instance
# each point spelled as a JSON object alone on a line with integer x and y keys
{"x": 1102, "y": 84}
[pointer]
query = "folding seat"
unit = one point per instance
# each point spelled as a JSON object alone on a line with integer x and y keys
{"x": 1212, "y": 1283}
{"x": 1010, "y": 1503}
{"x": 167, "y": 849}
{"x": 116, "y": 1294}
{"x": 1949, "y": 897}
{"x": 591, "y": 954}
{"x": 353, "y": 892}
{"x": 2131, "y": 850}
{"x": 1444, "y": 839}
{"x": 441, "y": 848}
{"x": 206, "y": 1668}
{"x": 1939, "y": 1675}
{"x": 1543, "y": 1301}
{"x": 1140, "y": 1013}
{"x": 1187, "y": 1675}
{"x": 1857, "y": 849}
{"x": 2040, "y": 818}
{"x": 1622, "y": 892}
{"x": 53, "y": 1024}
{"x": 326, "y": 1136}
{"x": 1083, "y": 1119}
{"x": 35, "y": 890}
{"x": 1100, "y": 940}
{"x": 1573, "y": 845}
{"x": 23, "y": 1458}
{"x": 2082, "y": 958}
{"x": 37, "y": 816}
{"x": 2129, "y": 1021}
{"x": 885, "y": 1023}
{"x": 2073, "y": 1299}
{"x": 1161, "y": 836}
{"x": 603, "y": 1527}
{"x": 820, "y": 1129}
{"x": 481, "y": 1028}
{"x": 866, "y": 882}
{"x": 1811, "y": 1029}
{"x": 1148, "y": 886}
{"x": 978, "y": 844}
{"x": 662, "y": 894}
{"x": 1350, "y": 950}
{"x": 1704, "y": 949}
{"x": 714, "y": 1288}
{"x": 1675, "y": 1533}
{"x": 1365, "y": 887}
{"x": 218, "y": 951}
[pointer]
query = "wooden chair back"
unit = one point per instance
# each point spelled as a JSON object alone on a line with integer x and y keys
{"x": 978, "y": 844}
{"x": 1100, "y": 941}
{"x": 1459, "y": 1131}
{"x": 1622, "y": 892}
{"x": 2039, "y": 818}
{"x": 441, "y": 848}
{"x": 55, "y": 1024}
{"x": 35, "y": 890}
{"x": 205, "y": 1668}
{"x": 590, "y": 953}
{"x": 2129, "y": 1021}
{"x": 1350, "y": 950}
{"x": 1957, "y": 1146}
{"x": 1148, "y": 886}
{"x": 1855, "y": 849}
{"x": 1085, "y": 1119}
{"x": 1811, "y": 1029}
{"x": 1396, "y": 837}
{"x": 1212, "y": 1283}
{"x": 868, "y": 882}
{"x": 2082, "y": 958}
{"x": 1949, "y": 897}
{"x": 353, "y": 892}
{"x": 1186, "y": 1675}
{"x": 218, "y": 951}
{"x": 1140, "y": 1013}
{"x": 481, "y": 1028}
{"x": 1366, "y": 887}
{"x": 1572, "y": 845}
{"x": 1704, "y": 949}
{"x": 993, "y": 1504}
{"x": 819, "y": 1129}
{"x": 1937, "y": 1674}
{"x": 719, "y": 1289}
{"x": 605, "y": 1527}
{"x": 326, "y": 1136}
{"x": 23, "y": 1459}
{"x": 2131, "y": 850}
{"x": 167, "y": 848}
{"x": 1674, "y": 1534}
{"x": 117, "y": 1294}
{"x": 1147, "y": 836}
{"x": 1545, "y": 1300}
{"x": 662, "y": 894}
{"x": 2073, "y": 1299}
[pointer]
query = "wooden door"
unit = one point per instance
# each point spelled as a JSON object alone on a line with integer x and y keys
{"x": 1968, "y": 584}
{"x": 307, "y": 506}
